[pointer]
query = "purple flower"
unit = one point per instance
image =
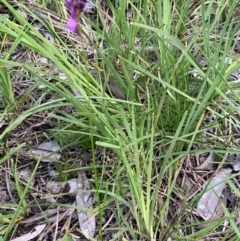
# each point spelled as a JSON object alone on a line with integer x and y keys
{"x": 80, "y": 4}
{"x": 72, "y": 24}
{"x": 69, "y": 3}
{"x": 76, "y": 7}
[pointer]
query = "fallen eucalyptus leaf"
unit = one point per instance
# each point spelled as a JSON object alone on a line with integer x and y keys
{"x": 234, "y": 160}
{"x": 47, "y": 151}
{"x": 32, "y": 234}
{"x": 80, "y": 187}
{"x": 23, "y": 14}
{"x": 115, "y": 90}
{"x": 207, "y": 205}
{"x": 208, "y": 163}
{"x": 83, "y": 199}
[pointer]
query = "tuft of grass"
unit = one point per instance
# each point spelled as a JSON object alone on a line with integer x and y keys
{"x": 149, "y": 50}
